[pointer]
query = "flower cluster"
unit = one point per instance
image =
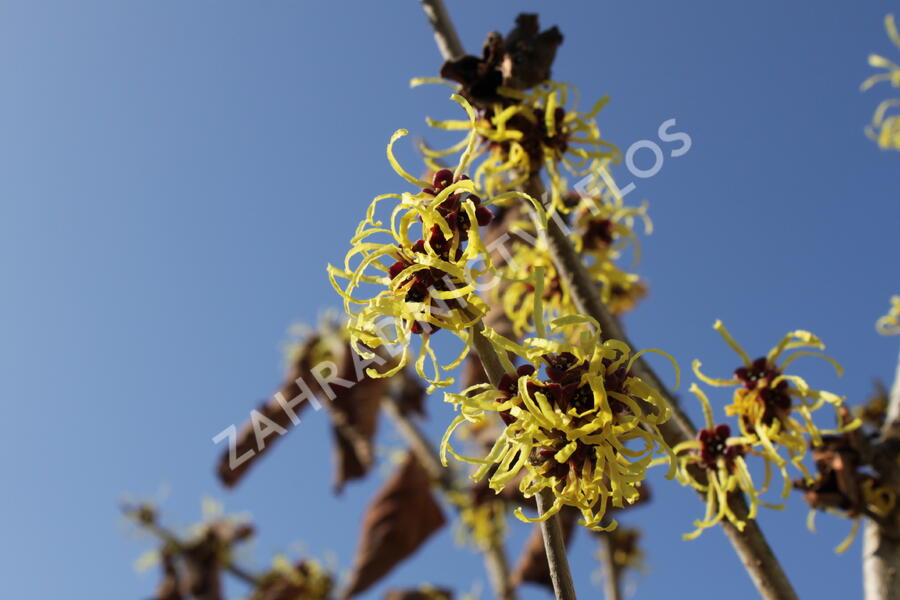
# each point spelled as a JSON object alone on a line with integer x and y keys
{"x": 425, "y": 263}
{"x": 526, "y": 131}
{"x": 719, "y": 456}
{"x": 578, "y": 422}
{"x": 771, "y": 405}
{"x": 885, "y": 127}
{"x": 482, "y": 519}
{"x": 889, "y": 324}
{"x": 774, "y": 411}
{"x": 602, "y": 229}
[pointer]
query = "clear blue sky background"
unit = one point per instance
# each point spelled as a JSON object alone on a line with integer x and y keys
{"x": 175, "y": 175}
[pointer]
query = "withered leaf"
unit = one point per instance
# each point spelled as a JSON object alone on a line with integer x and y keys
{"x": 529, "y": 53}
{"x": 838, "y": 482}
{"x": 521, "y": 60}
{"x": 411, "y": 400}
{"x": 354, "y": 420}
{"x": 429, "y": 593}
{"x": 353, "y": 412}
{"x": 273, "y": 411}
{"x": 399, "y": 519}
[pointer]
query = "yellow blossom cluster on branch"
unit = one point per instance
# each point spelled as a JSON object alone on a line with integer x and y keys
{"x": 424, "y": 263}
{"x": 774, "y": 412}
{"x": 530, "y": 131}
{"x": 578, "y": 422}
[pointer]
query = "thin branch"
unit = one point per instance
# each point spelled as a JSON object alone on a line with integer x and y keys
{"x": 173, "y": 540}
{"x": 881, "y": 541}
{"x": 444, "y": 33}
{"x": 555, "y": 547}
{"x": 751, "y": 545}
{"x": 612, "y": 574}
{"x": 487, "y": 355}
{"x": 554, "y": 542}
{"x": 450, "y": 47}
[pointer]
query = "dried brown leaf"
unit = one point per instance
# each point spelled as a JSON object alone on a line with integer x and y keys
{"x": 425, "y": 593}
{"x": 399, "y": 519}
{"x": 521, "y": 60}
{"x": 354, "y": 420}
{"x": 272, "y": 410}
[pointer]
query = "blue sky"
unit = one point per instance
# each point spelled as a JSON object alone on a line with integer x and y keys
{"x": 174, "y": 177}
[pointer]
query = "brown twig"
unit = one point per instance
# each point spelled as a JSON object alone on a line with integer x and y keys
{"x": 555, "y": 547}
{"x": 444, "y": 32}
{"x": 554, "y": 542}
{"x": 612, "y": 574}
{"x": 175, "y": 542}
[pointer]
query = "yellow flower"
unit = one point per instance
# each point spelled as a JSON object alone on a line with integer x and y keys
{"x": 885, "y": 129}
{"x": 721, "y": 457}
{"x": 578, "y": 422}
{"x": 534, "y": 130}
{"x": 620, "y": 290}
{"x": 889, "y": 324}
{"x": 306, "y": 579}
{"x": 483, "y": 520}
{"x": 532, "y": 278}
{"x": 425, "y": 264}
{"x": 767, "y": 399}
{"x": 892, "y": 70}
{"x": 603, "y": 227}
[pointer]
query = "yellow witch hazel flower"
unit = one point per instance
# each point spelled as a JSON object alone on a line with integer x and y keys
{"x": 603, "y": 227}
{"x": 721, "y": 457}
{"x": 889, "y": 324}
{"x": 532, "y": 278}
{"x": 578, "y": 422}
{"x": 533, "y": 130}
{"x": 482, "y": 520}
{"x": 425, "y": 263}
{"x": 885, "y": 128}
{"x": 767, "y": 398}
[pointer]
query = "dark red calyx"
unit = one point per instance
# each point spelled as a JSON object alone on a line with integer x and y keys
{"x": 599, "y": 234}
{"x": 397, "y": 268}
{"x": 714, "y": 445}
{"x": 758, "y": 372}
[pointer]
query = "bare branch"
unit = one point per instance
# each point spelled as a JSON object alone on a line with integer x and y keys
{"x": 881, "y": 541}
{"x": 444, "y": 33}
{"x": 612, "y": 574}
{"x": 555, "y": 546}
